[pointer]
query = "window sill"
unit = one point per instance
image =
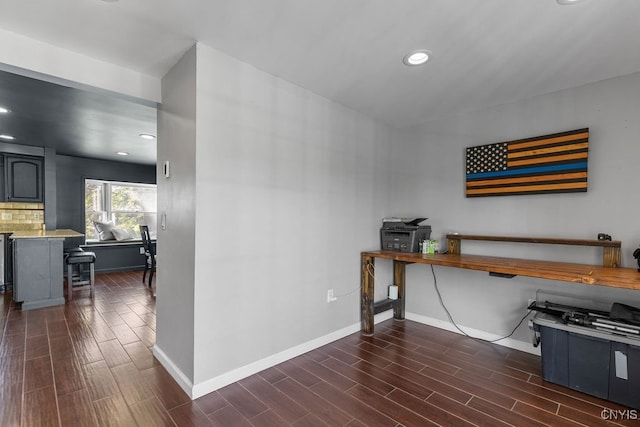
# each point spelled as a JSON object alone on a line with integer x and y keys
{"x": 114, "y": 243}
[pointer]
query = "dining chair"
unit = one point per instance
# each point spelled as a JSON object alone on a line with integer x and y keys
{"x": 149, "y": 252}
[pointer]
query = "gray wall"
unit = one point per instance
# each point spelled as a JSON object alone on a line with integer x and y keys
{"x": 70, "y": 175}
{"x": 429, "y": 161}
{"x": 176, "y": 198}
{"x": 287, "y": 189}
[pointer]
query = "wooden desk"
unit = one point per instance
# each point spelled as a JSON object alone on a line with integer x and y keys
{"x": 628, "y": 278}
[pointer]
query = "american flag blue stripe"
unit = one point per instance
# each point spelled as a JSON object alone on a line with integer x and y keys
{"x": 528, "y": 171}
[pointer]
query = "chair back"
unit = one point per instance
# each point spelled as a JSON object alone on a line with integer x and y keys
{"x": 146, "y": 243}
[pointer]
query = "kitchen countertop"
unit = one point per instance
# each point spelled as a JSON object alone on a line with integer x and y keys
{"x": 35, "y": 234}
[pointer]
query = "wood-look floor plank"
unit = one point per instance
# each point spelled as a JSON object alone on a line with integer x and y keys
{"x": 356, "y": 351}
{"x": 140, "y": 355}
{"x": 189, "y": 415}
{"x": 131, "y": 383}
{"x": 359, "y": 376}
{"x": 465, "y": 412}
{"x": 313, "y": 403}
{"x": 501, "y": 413}
{"x": 273, "y": 375}
{"x": 113, "y": 352}
{"x": 13, "y": 344}
{"x": 12, "y": 369}
{"x": 511, "y": 392}
{"x": 278, "y": 402}
{"x": 124, "y": 334}
{"x": 40, "y": 408}
{"x": 351, "y": 405}
{"x": 543, "y": 416}
{"x": 113, "y": 411}
{"x": 69, "y": 376}
{"x": 37, "y": 346}
{"x": 392, "y": 409}
{"x": 396, "y": 355}
{"x": 38, "y": 373}
{"x": 243, "y": 401}
{"x": 332, "y": 377}
{"x": 101, "y": 332}
{"x": 211, "y": 402}
{"x": 228, "y": 416}
{"x": 11, "y": 404}
{"x": 76, "y": 409}
{"x": 165, "y": 387}
{"x": 303, "y": 376}
{"x": 87, "y": 351}
{"x": 151, "y": 413}
{"x": 99, "y": 380}
{"x": 427, "y": 409}
{"x": 61, "y": 347}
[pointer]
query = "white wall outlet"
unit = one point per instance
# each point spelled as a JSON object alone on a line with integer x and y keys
{"x": 36, "y": 215}
{"x": 330, "y": 296}
{"x": 141, "y": 251}
{"x": 7, "y": 216}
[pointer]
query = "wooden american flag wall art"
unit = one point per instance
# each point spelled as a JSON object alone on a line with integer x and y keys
{"x": 555, "y": 163}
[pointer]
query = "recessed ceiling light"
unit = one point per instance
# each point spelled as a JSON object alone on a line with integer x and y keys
{"x": 568, "y": 2}
{"x": 122, "y": 153}
{"x": 7, "y": 137}
{"x": 416, "y": 57}
{"x": 147, "y": 136}
{"x": 4, "y": 110}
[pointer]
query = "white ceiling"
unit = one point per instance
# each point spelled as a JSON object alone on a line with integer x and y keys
{"x": 485, "y": 52}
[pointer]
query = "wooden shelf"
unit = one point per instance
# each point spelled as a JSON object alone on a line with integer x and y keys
{"x": 611, "y": 256}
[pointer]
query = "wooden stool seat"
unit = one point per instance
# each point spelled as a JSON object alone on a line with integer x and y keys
{"x": 76, "y": 276}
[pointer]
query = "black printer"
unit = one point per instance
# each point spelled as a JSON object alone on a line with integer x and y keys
{"x": 403, "y": 234}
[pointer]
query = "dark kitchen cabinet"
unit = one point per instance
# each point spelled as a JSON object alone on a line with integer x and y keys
{"x": 23, "y": 178}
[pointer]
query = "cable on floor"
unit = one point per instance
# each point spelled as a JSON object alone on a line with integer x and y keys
{"x": 435, "y": 285}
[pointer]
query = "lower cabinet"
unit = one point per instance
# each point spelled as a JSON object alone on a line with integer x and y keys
{"x": 38, "y": 272}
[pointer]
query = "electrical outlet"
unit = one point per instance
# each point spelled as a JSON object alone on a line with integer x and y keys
{"x": 330, "y": 296}
{"x": 7, "y": 216}
{"x": 141, "y": 251}
{"x": 36, "y": 215}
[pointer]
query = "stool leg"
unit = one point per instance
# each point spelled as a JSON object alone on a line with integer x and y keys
{"x": 69, "y": 282}
{"x": 93, "y": 279}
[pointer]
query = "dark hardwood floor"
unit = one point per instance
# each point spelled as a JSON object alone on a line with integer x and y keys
{"x": 89, "y": 362}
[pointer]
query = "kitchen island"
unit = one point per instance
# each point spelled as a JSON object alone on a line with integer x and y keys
{"x": 38, "y": 259}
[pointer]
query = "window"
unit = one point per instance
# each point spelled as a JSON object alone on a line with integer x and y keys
{"x": 127, "y": 205}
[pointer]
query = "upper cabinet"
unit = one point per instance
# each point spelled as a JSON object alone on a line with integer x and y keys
{"x": 23, "y": 178}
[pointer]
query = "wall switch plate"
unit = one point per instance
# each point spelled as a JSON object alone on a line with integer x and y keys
{"x": 166, "y": 171}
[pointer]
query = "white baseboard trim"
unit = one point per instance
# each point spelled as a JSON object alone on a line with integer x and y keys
{"x": 527, "y": 347}
{"x": 197, "y": 390}
{"x": 182, "y": 380}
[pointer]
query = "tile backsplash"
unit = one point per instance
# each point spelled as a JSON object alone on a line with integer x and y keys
{"x": 21, "y": 216}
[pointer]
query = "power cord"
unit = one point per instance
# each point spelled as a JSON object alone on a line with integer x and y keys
{"x": 435, "y": 285}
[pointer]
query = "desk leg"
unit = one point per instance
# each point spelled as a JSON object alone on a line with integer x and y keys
{"x": 399, "y": 281}
{"x": 366, "y": 294}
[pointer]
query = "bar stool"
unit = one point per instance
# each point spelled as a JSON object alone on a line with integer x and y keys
{"x": 77, "y": 261}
